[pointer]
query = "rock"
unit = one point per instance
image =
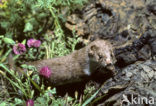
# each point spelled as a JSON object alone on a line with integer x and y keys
{"x": 122, "y": 20}
{"x": 140, "y": 83}
{"x": 144, "y": 53}
{"x": 74, "y": 23}
{"x": 152, "y": 8}
{"x": 140, "y": 49}
{"x": 152, "y": 43}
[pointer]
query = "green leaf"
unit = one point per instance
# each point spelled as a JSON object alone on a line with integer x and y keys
{"x": 8, "y": 41}
{"x": 91, "y": 98}
{"x": 3, "y": 104}
{"x": 5, "y": 25}
{"x": 4, "y": 57}
{"x": 18, "y": 101}
{"x": 1, "y": 36}
{"x": 24, "y": 42}
{"x": 53, "y": 91}
{"x": 28, "y": 27}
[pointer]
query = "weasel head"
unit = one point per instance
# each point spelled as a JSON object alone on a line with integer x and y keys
{"x": 101, "y": 51}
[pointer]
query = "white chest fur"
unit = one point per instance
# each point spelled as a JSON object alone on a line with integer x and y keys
{"x": 87, "y": 70}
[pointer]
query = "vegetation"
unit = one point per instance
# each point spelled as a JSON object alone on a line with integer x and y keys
{"x": 25, "y": 23}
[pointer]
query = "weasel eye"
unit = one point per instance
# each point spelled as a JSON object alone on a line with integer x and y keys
{"x": 111, "y": 55}
{"x": 100, "y": 57}
{"x": 90, "y": 55}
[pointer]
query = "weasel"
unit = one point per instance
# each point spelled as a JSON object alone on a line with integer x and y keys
{"x": 80, "y": 63}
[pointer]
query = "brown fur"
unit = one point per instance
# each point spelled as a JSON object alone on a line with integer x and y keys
{"x": 70, "y": 68}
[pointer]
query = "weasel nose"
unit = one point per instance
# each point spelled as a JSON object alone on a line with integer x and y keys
{"x": 108, "y": 61}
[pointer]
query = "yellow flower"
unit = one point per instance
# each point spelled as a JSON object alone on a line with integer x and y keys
{"x": 29, "y": 73}
{"x": 19, "y": 2}
{"x": 3, "y": 3}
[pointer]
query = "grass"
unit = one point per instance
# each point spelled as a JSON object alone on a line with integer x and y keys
{"x": 25, "y": 19}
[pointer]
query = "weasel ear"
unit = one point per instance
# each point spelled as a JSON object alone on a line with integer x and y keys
{"x": 93, "y": 48}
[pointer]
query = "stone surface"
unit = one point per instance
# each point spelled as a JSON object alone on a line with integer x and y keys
{"x": 137, "y": 79}
{"x": 121, "y": 20}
